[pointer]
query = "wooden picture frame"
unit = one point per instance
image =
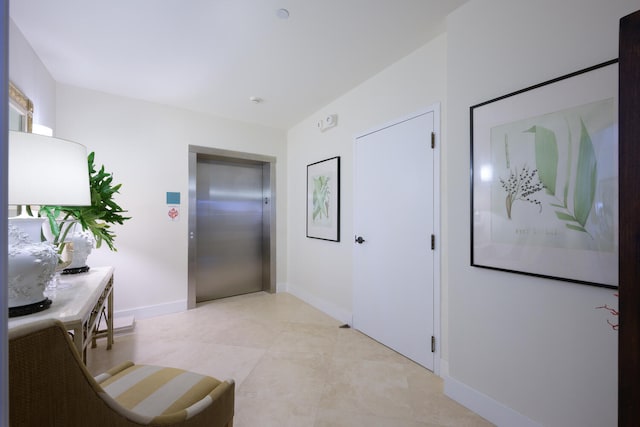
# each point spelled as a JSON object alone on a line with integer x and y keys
{"x": 629, "y": 291}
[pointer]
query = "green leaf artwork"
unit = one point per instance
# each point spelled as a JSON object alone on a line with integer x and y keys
{"x": 553, "y": 171}
{"x": 586, "y": 177}
{"x": 546, "y": 149}
{"x": 321, "y": 197}
{"x": 546, "y": 153}
{"x": 585, "y": 185}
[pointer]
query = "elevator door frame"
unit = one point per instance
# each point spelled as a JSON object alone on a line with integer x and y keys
{"x": 269, "y": 212}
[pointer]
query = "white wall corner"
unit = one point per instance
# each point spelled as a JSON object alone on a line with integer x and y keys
{"x": 281, "y": 287}
{"x": 323, "y": 305}
{"x": 483, "y": 405}
{"x": 444, "y": 368}
{"x": 153, "y": 310}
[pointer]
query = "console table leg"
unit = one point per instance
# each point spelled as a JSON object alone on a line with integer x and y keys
{"x": 78, "y": 342}
{"x": 110, "y": 320}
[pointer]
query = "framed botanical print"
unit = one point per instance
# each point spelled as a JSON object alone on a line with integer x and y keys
{"x": 323, "y": 200}
{"x": 544, "y": 179}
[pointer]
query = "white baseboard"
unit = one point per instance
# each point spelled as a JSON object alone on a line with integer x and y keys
{"x": 153, "y": 310}
{"x": 325, "y": 306}
{"x": 121, "y": 324}
{"x": 485, "y": 406}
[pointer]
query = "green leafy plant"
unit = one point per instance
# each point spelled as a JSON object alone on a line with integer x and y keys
{"x": 96, "y": 218}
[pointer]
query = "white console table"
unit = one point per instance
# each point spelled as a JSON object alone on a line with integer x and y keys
{"x": 79, "y": 301}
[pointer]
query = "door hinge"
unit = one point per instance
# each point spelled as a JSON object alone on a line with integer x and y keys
{"x": 433, "y": 344}
{"x": 433, "y": 140}
{"x": 433, "y": 242}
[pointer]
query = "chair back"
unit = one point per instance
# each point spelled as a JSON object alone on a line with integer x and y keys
{"x": 48, "y": 383}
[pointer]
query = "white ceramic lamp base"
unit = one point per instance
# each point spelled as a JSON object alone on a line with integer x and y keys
{"x": 31, "y": 265}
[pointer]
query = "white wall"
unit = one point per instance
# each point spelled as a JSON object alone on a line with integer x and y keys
{"x": 321, "y": 271}
{"x": 29, "y": 74}
{"x": 146, "y": 147}
{"x": 537, "y": 346}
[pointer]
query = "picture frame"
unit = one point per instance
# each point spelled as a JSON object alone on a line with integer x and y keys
{"x": 544, "y": 179}
{"x": 323, "y": 200}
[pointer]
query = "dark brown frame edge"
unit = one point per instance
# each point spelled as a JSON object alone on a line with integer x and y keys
{"x": 337, "y": 239}
{"x": 473, "y": 107}
{"x": 629, "y": 260}
{"x": 4, "y": 226}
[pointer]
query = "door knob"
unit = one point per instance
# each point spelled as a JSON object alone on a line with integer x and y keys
{"x": 359, "y": 240}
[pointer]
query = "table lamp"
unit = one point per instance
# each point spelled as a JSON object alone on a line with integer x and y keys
{"x": 42, "y": 171}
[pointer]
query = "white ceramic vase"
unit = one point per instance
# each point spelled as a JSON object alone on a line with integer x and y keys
{"x": 82, "y": 243}
{"x": 77, "y": 245}
{"x": 31, "y": 265}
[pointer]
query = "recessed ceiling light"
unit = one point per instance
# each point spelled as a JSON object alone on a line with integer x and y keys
{"x": 283, "y": 13}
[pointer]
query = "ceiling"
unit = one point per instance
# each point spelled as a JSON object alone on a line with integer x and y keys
{"x": 213, "y": 55}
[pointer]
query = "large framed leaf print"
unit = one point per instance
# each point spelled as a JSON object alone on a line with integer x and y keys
{"x": 544, "y": 179}
{"x": 323, "y": 200}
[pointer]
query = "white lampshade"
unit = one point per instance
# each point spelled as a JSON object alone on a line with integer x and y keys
{"x": 47, "y": 171}
{"x": 42, "y": 171}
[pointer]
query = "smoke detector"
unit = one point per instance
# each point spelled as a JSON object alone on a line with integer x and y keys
{"x": 282, "y": 13}
{"x": 327, "y": 122}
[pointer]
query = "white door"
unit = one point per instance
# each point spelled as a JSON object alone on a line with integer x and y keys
{"x": 394, "y": 222}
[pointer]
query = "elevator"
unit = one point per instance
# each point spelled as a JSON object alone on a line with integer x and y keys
{"x": 231, "y": 224}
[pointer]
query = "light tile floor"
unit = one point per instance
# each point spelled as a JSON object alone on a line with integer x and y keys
{"x": 292, "y": 364}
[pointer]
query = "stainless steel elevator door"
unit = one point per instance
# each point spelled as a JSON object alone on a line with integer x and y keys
{"x": 229, "y": 200}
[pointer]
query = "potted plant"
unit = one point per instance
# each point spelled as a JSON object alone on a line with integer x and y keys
{"x": 96, "y": 219}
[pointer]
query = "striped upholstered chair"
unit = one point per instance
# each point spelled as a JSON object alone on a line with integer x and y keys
{"x": 50, "y": 386}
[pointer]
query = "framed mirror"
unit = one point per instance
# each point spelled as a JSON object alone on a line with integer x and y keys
{"x": 20, "y": 119}
{"x": 20, "y": 110}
